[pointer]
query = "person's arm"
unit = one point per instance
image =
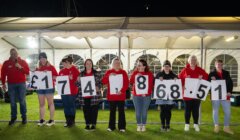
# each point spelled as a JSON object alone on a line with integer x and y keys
{"x": 125, "y": 82}
{"x": 105, "y": 79}
{"x": 182, "y": 76}
{"x": 204, "y": 74}
{"x": 229, "y": 83}
{"x": 132, "y": 78}
{"x": 25, "y": 68}
{"x": 4, "y": 73}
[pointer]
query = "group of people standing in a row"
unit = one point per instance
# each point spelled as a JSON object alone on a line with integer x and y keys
{"x": 15, "y": 70}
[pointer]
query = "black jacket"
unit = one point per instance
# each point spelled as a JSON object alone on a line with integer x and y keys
{"x": 169, "y": 76}
{"x": 225, "y": 76}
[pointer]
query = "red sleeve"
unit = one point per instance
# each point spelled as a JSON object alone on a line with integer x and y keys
{"x": 76, "y": 74}
{"x": 151, "y": 78}
{"x": 132, "y": 78}
{"x": 54, "y": 71}
{"x": 105, "y": 79}
{"x": 205, "y": 75}
{"x": 4, "y": 73}
{"x": 125, "y": 82}
{"x": 182, "y": 75}
{"x": 25, "y": 69}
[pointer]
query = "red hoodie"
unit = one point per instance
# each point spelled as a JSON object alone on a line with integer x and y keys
{"x": 49, "y": 68}
{"x": 150, "y": 82}
{"x": 13, "y": 74}
{"x": 187, "y": 71}
{"x": 105, "y": 81}
{"x": 74, "y": 72}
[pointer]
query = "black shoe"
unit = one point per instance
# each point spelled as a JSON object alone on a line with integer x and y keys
{"x": 24, "y": 121}
{"x": 87, "y": 128}
{"x": 93, "y": 127}
{"x": 12, "y": 121}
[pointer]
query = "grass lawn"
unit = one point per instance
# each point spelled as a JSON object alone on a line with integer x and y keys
{"x": 32, "y": 132}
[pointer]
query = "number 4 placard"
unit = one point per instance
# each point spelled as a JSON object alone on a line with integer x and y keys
{"x": 63, "y": 86}
{"x": 218, "y": 90}
{"x": 88, "y": 86}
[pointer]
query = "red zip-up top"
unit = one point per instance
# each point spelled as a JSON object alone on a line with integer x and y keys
{"x": 105, "y": 81}
{"x": 49, "y": 68}
{"x": 193, "y": 74}
{"x": 75, "y": 73}
{"x": 13, "y": 74}
{"x": 150, "y": 82}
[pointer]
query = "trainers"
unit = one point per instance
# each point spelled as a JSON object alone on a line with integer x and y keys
{"x": 139, "y": 128}
{"x": 143, "y": 128}
{"x": 12, "y": 121}
{"x": 93, "y": 127}
{"x": 122, "y": 130}
{"x": 196, "y": 127}
{"x": 65, "y": 125}
{"x": 167, "y": 128}
{"x": 226, "y": 129}
{"x": 41, "y": 122}
{"x": 109, "y": 129}
{"x": 216, "y": 129}
{"x": 24, "y": 121}
{"x": 50, "y": 123}
{"x": 87, "y": 128}
{"x": 186, "y": 128}
{"x": 163, "y": 129}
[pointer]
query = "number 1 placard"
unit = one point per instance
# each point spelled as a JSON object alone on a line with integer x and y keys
{"x": 41, "y": 80}
{"x": 88, "y": 86}
{"x": 218, "y": 90}
{"x": 63, "y": 85}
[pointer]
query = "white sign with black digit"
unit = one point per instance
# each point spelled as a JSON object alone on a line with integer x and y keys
{"x": 41, "y": 80}
{"x": 203, "y": 89}
{"x": 88, "y": 86}
{"x": 141, "y": 84}
{"x": 175, "y": 87}
{"x": 63, "y": 85}
{"x": 218, "y": 90}
{"x": 116, "y": 83}
{"x": 160, "y": 89}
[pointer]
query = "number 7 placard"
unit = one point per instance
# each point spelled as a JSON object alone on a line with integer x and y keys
{"x": 63, "y": 85}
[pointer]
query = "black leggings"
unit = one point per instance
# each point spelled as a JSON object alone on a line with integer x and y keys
{"x": 165, "y": 115}
{"x": 192, "y": 106}
{"x": 90, "y": 112}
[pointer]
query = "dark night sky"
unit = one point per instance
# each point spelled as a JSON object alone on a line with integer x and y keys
{"x": 56, "y": 8}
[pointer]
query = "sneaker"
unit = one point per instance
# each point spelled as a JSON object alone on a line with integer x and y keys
{"x": 93, "y": 127}
{"x": 226, "y": 129}
{"x": 143, "y": 128}
{"x": 196, "y": 127}
{"x": 12, "y": 121}
{"x": 216, "y": 129}
{"x": 139, "y": 128}
{"x": 186, "y": 128}
{"x": 65, "y": 125}
{"x": 50, "y": 123}
{"x": 87, "y": 128}
{"x": 167, "y": 128}
{"x": 109, "y": 129}
{"x": 24, "y": 121}
{"x": 163, "y": 129}
{"x": 122, "y": 130}
{"x": 41, "y": 122}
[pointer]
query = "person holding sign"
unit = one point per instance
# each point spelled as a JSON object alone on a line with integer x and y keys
{"x": 117, "y": 83}
{"x": 220, "y": 74}
{"x": 69, "y": 100}
{"x": 90, "y": 102}
{"x": 15, "y": 70}
{"x": 192, "y": 70}
{"x": 166, "y": 105}
{"x": 48, "y": 94}
{"x": 142, "y": 83}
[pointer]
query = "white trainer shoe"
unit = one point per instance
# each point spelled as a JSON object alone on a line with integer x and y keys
{"x": 196, "y": 127}
{"x": 186, "y": 128}
{"x": 139, "y": 128}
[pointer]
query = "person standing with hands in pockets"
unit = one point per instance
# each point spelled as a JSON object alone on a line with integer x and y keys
{"x": 220, "y": 74}
{"x": 15, "y": 70}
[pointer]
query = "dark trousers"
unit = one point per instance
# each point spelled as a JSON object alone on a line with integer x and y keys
{"x": 166, "y": 115}
{"x": 121, "y": 115}
{"x": 192, "y": 107}
{"x": 90, "y": 112}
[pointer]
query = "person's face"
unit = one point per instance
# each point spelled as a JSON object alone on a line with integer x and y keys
{"x": 140, "y": 67}
{"x": 43, "y": 61}
{"x": 218, "y": 65}
{"x": 14, "y": 54}
{"x": 88, "y": 65}
{"x": 116, "y": 65}
{"x": 64, "y": 64}
{"x": 166, "y": 68}
{"x": 193, "y": 62}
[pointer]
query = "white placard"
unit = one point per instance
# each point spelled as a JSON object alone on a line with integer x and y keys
{"x": 175, "y": 87}
{"x": 160, "y": 88}
{"x": 141, "y": 84}
{"x": 63, "y": 85}
{"x": 88, "y": 86}
{"x": 116, "y": 83}
{"x": 203, "y": 89}
{"x": 218, "y": 90}
{"x": 41, "y": 80}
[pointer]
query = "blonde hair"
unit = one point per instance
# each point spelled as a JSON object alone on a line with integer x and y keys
{"x": 193, "y": 57}
{"x": 116, "y": 59}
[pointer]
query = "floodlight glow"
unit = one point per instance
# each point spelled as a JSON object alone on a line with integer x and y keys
{"x": 28, "y": 60}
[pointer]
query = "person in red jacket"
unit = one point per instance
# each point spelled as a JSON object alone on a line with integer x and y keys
{"x": 48, "y": 94}
{"x": 69, "y": 100}
{"x": 15, "y": 70}
{"x": 142, "y": 82}
{"x": 116, "y": 98}
{"x": 192, "y": 70}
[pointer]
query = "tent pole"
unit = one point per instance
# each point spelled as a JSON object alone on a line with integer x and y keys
{"x": 119, "y": 47}
{"x": 91, "y": 53}
{"x": 200, "y": 107}
{"x": 39, "y": 42}
{"x": 53, "y": 50}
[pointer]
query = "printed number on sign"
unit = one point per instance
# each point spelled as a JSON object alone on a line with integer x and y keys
{"x": 218, "y": 90}
{"x": 63, "y": 86}
{"x": 88, "y": 86}
{"x": 141, "y": 84}
{"x": 41, "y": 80}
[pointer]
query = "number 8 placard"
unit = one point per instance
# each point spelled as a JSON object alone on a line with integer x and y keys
{"x": 63, "y": 85}
{"x": 141, "y": 84}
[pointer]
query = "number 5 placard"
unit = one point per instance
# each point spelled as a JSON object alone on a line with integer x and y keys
{"x": 141, "y": 84}
{"x": 218, "y": 90}
{"x": 88, "y": 86}
{"x": 41, "y": 80}
{"x": 63, "y": 85}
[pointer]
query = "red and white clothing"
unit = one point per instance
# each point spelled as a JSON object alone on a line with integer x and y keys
{"x": 74, "y": 73}
{"x": 49, "y": 68}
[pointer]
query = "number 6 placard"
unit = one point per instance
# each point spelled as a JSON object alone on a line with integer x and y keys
{"x": 88, "y": 86}
{"x": 41, "y": 80}
{"x": 63, "y": 85}
{"x": 218, "y": 90}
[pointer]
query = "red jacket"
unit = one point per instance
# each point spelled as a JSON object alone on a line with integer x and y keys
{"x": 150, "y": 82}
{"x": 49, "y": 68}
{"x": 74, "y": 72}
{"x": 13, "y": 74}
{"x": 105, "y": 81}
{"x": 193, "y": 74}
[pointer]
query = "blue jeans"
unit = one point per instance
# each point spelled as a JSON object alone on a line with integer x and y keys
{"x": 69, "y": 105}
{"x": 17, "y": 92}
{"x": 226, "y": 109}
{"x": 141, "y": 105}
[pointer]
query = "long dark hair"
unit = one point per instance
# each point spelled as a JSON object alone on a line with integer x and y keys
{"x": 85, "y": 70}
{"x": 144, "y": 63}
